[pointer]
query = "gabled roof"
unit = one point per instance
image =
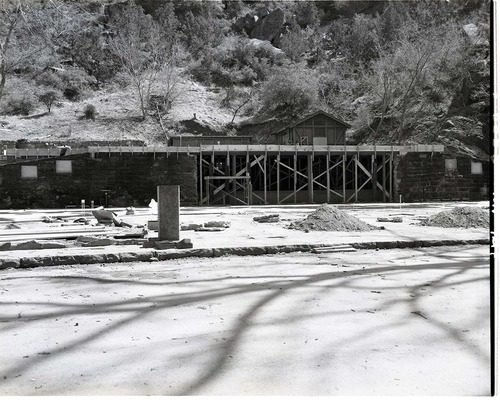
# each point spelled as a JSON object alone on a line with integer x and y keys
{"x": 309, "y": 116}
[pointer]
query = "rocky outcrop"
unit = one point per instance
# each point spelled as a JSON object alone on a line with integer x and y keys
{"x": 270, "y": 26}
{"x": 264, "y": 25}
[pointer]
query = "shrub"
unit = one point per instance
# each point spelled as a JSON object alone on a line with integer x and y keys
{"x": 20, "y": 99}
{"x": 290, "y": 90}
{"x": 237, "y": 61}
{"x": 89, "y": 112}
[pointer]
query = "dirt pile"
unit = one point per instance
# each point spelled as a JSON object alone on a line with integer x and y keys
{"x": 328, "y": 218}
{"x": 460, "y": 217}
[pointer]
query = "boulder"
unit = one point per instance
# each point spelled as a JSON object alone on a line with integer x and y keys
{"x": 244, "y": 24}
{"x": 474, "y": 34}
{"x": 270, "y": 26}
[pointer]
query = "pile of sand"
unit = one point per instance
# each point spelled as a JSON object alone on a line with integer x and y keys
{"x": 460, "y": 217}
{"x": 329, "y": 218}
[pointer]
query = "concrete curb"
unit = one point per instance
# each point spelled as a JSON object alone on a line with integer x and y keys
{"x": 164, "y": 255}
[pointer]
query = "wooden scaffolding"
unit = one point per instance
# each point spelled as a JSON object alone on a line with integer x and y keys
{"x": 273, "y": 174}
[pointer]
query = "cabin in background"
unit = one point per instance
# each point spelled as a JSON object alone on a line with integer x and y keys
{"x": 319, "y": 128}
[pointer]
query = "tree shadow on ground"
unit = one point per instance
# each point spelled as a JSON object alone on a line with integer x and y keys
{"x": 275, "y": 286}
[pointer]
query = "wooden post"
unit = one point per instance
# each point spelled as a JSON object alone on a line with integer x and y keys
{"x": 168, "y": 212}
{"x": 344, "y": 174}
{"x": 278, "y": 179}
{"x": 328, "y": 178}
{"x": 249, "y": 182}
{"x": 201, "y": 176}
{"x": 310, "y": 178}
{"x": 265, "y": 178}
{"x": 211, "y": 174}
{"x": 295, "y": 178}
{"x": 384, "y": 160}
{"x": 374, "y": 177}
{"x": 356, "y": 178}
{"x": 391, "y": 173}
{"x": 227, "y": 172}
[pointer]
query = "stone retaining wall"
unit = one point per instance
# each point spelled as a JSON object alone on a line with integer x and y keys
{"x": 153, "y": 255}
{"x": 424, "y": 177}
{"x": 131, "y": 179}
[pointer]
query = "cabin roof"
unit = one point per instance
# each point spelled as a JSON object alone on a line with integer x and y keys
{"x": 309, "y": 116}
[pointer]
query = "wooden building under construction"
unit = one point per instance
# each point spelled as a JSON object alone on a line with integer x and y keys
{"x": 306, "y": 162}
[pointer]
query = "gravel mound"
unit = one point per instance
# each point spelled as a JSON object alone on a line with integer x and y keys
{"x": 329, "y": 218}
{"x": 460, "y": 217}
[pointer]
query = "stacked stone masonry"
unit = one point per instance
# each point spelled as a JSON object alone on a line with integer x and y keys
{"x": 424, "y": 177}
{"x": 130, "y": 179}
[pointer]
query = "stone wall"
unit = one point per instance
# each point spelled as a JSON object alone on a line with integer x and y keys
{"x": 424, "y": 177}
{"x": 130, "y": 179}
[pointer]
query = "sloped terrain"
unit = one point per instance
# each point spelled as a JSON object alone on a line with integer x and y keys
{"x": 118, "y": 117}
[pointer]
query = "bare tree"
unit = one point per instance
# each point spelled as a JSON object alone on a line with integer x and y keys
{"x": 10, "y": 13}
{"x": 143, "y": 53}
{"x": 31, "y": 32}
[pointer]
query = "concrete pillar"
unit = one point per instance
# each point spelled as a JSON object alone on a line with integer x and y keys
{"x": 168, "y": 212}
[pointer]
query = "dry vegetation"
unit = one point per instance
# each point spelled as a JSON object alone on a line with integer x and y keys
{"x": 396, "y": 71}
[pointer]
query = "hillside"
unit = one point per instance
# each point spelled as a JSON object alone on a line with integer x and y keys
{"x": 117, "y": 118}
{"x": 398, "y": 72}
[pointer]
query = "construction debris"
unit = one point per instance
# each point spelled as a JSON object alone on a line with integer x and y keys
{"x": 191, "y": 226}
{"x": 132, "y": 234}
{"x": 99, "y": 243}
{"x": 153, "y": 225}
{"x": 167, "y": 244}
{"x": 217, "y": 224}
{"x": 460, "y": 217}
{"x": 85, "y": 221}
{"x": 329, "y": 218}
{"x": 105, "y": 217}
{"x": 52, "y": 219}
{"x": 341, "y": 248}
{"x": 396, "y": 219}
{"x": 37, "y": 245}
{"x": 267, "y": 218}
{"x": 205, "y": 229}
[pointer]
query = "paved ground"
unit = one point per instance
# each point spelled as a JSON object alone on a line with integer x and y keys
{"x": 397, "y": 322}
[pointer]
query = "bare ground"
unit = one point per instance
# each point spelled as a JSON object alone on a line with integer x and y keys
{"x": 394, "y": 322}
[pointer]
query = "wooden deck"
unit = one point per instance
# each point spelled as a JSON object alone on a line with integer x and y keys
{"x": 37, "y": 153}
